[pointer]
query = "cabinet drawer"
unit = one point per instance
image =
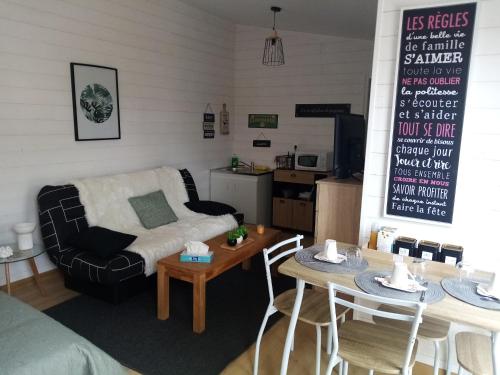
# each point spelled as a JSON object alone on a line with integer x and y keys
{"x": 303, "y": 215}
{"x": 282, "y": 212}
{"x": 298, "y": 177}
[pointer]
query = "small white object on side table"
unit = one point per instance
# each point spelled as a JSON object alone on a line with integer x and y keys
{"x": 22, "y": 255}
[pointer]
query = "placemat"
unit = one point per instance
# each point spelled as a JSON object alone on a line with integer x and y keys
{"x": 465, "y": 291}
{"x": 306, "y": 258}
{"x": 366, "y": 282}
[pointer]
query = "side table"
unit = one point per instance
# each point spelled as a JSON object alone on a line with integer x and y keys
{"x": 22, "y": 255}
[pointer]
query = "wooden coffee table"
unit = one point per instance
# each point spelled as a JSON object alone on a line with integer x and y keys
{"x": 199, "y": 273}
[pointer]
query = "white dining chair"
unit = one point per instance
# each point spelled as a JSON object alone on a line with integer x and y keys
{"x": 315, "y": 309}
{"x": 373, "y": 346}
{"x": 474, "y": 353}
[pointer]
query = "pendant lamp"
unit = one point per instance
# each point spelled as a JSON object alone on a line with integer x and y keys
{"x": 273, "y": 49}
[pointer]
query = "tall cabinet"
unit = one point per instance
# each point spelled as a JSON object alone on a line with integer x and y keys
{"x": 338, "y": 210}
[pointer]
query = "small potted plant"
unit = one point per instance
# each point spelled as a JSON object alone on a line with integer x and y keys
{"x": 239, "y": 235}
{"x": 232, "y": 238}
{"x": 243, "y": 231}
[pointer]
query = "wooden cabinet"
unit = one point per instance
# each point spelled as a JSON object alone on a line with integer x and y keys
{"x": 338, "y": 210}
{"x": 293, "y": 214}
{"x": 282, "y": 212}
{"x": 294, "y": 199}
{"x": 303, "y": 215}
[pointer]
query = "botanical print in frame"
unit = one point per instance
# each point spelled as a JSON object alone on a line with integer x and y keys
{"x": 96, "y": 109}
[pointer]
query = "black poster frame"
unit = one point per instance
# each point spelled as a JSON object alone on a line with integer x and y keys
{"x": 408, "y": 195}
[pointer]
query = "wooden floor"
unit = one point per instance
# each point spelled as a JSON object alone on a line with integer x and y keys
{"x": 302, "y": 359}
{"x": 53, "y": 285}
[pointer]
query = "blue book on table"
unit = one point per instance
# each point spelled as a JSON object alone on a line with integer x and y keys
{"x": 197, "y": 258}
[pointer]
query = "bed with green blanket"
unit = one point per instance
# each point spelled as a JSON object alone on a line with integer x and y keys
{"x": 33, "y": 343}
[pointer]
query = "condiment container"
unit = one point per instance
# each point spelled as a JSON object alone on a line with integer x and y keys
{"x": 451, "y": 254}
{"x": 405, "y": 246}
{"x": 428, "y": 250}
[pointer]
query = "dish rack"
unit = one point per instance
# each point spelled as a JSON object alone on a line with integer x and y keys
{"x": 285, "y": 161}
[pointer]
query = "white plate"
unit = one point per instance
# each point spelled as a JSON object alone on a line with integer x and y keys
{"x": 321, "y": 256}
{"x": 482, "y": 290}
{"x": 413, "y": 286}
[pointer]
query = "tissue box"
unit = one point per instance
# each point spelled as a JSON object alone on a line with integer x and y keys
{"x": 184, "y": 257}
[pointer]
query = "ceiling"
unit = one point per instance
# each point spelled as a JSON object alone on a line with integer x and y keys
{"x": 349, "y": 18}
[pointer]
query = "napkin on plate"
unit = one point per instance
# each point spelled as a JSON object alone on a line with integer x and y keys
{"x": 483, "y": 291}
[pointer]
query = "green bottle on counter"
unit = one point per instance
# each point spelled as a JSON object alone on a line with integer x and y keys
{"x": 235, "y": 161}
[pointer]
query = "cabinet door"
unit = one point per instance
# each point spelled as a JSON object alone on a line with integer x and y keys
{"x": 339, "y": 207}
{"x": 302, "y": 215}
{"x": 244, "y": 197}
{"x": 282, "y": 212}
{"x": 238, "y": 191}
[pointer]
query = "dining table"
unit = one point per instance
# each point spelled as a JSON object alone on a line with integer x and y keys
{"x": 448, "y": 309}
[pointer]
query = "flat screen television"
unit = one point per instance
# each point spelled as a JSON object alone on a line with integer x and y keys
{"x": 349, "y": 145}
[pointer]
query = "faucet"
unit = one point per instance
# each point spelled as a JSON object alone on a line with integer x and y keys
{"x": 251, "y": 165}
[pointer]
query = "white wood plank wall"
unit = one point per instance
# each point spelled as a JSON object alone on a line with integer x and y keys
{"x": 318, "y": 69}
{"x": 172, "y": 60}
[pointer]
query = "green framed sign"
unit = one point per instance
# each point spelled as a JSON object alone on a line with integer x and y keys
{"x": 263, "y": 121}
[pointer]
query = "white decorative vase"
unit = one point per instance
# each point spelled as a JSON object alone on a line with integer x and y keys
{"x": 24, "y": 233}
{"x": 239, "y": 240}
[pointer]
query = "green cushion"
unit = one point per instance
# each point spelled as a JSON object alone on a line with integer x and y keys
{"x": 153, "y": 209}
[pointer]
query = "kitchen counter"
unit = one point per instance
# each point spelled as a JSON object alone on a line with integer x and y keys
{"x": 242, "y": 170}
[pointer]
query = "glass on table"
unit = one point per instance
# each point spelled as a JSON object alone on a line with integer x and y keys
{"x": 354, "y": 256}
{"x": 418, "y": 268}
{"x": 465, "y": 270}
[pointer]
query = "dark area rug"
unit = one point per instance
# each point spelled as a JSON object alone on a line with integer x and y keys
{"x": 130, "y": 332}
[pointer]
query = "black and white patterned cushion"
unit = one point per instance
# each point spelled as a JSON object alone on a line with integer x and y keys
{"x": 190, "y": 185}
{"x": 61, "y": 214}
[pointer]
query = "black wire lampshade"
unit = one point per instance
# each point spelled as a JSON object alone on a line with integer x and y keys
{"x": 273, "y": 48}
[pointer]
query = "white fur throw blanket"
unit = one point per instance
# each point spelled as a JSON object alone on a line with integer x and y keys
{"x": 106, "y": 205}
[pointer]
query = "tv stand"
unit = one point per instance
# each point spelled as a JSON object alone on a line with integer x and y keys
{"x": 294, "y": 197}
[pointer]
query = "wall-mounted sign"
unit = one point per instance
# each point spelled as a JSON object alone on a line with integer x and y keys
{"x": 224, "y": 120}
{"x": 321, "y": 110}
{"x": 261, "y": 143}
{"x": 208, "y": 125}
{"x": 263, "y": 121}
{"x": 430, "y": 92}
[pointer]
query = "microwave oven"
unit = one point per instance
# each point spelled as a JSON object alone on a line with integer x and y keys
{"x": 314, "y": 161}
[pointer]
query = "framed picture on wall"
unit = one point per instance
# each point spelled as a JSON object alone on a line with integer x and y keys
{"x": 96, "y": 109}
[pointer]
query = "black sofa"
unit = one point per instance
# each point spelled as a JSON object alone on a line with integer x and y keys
{"x": 114, "y": 279}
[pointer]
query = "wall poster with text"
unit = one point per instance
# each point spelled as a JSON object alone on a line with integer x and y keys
{"x": 430, "y": 92}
